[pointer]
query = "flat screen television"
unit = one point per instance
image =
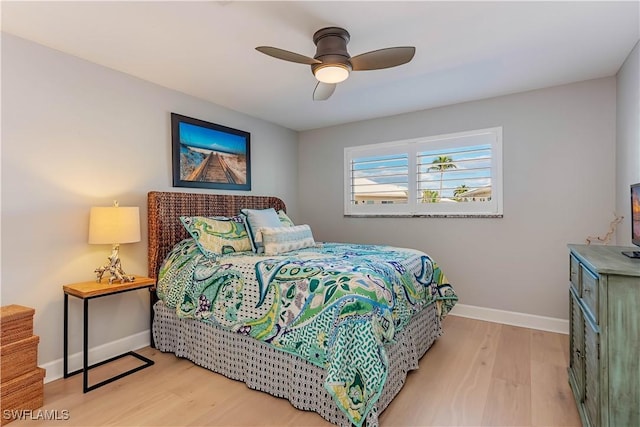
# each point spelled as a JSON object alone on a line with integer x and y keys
{"x": 635, "y": 220}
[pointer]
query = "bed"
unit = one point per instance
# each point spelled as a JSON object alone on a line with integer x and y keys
{"x": 333, "y": 328}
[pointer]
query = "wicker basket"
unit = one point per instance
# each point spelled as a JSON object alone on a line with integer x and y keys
{"x": 16, "y": 323}
{"x": 23, "y": 392}
{"x": 18, "y": 358}
{"x": 21, "y": 381}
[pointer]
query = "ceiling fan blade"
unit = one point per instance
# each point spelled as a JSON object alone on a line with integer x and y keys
{"x": 383, "y": 58}
{"x": 286, "y": 55}
{"x": 323, "y": 91}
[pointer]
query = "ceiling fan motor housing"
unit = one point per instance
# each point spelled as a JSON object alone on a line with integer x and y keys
{"x": 331, "y": 48}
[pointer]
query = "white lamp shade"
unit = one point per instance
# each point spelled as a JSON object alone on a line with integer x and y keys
{"x": 114, "y": 225}
{"x": 332, "y": 73}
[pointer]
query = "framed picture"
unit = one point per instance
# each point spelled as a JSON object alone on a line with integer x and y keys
{"x": 207, "y": 155}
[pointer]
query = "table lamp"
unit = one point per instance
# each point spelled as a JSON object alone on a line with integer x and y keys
{"x": 114, "y": 225}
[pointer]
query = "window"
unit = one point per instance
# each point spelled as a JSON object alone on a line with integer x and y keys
{"x": 456, "y": 174}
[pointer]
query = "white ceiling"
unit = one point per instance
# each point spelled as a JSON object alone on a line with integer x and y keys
{"x": 464, "y": 50}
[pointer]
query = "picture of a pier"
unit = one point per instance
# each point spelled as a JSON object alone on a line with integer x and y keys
{"x": 209, "y": 155}
{"x": 212, "y": 166}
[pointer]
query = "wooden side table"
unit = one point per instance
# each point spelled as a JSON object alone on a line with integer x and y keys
{"x": 87, "y": 291}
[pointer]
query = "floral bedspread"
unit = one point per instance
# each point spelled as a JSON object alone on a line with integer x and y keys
{"x": 335, "y": 305}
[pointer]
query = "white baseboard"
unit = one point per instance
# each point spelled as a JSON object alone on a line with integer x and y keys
{"x": 55, "y": 369}
{"x": 141, "y": 339}
{"x": 513, "y": 318}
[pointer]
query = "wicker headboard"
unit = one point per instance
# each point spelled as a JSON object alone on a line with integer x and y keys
{"x": 165, "y": 209}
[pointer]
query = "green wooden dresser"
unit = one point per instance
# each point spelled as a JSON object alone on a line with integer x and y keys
{"x": 604, "y": 365}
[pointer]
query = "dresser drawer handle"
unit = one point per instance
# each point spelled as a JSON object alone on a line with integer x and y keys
{"x": 587, "y": 290}
{"x": 580, "y": 355}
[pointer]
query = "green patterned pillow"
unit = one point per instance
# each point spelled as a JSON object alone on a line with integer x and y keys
{"x": 217, "y": 235}
{"x": 284, "y": 219}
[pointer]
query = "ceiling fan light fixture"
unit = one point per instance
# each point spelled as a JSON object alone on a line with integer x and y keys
{"x": 332, "y": 62}
{"x": 334, "y": 73}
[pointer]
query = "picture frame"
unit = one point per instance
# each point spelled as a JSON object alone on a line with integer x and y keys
{"x": 208, "y": 155}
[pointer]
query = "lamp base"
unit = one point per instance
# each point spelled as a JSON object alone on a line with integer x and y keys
{"x": 114, "y": 267}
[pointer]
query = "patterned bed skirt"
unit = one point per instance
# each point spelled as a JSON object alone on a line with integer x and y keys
{"x": 281, "y": 374}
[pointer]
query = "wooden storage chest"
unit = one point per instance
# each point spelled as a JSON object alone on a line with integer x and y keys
{"x": 604, "y": 307}
{"x": 21, "y": 381}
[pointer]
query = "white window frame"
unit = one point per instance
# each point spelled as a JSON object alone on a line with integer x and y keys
{"x": 412, "y": 147}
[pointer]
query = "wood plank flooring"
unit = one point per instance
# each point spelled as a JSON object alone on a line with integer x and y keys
{"x": 477, "y": 374}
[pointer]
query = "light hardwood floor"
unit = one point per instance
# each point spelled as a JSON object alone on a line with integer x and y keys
{"x": 477, "y": 374}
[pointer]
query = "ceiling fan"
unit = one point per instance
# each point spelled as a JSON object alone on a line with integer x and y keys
{"x": 332, "y": 63}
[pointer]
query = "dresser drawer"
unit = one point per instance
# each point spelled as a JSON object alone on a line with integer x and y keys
{"x": 589, "y": 291}
{"x": 574, "y": 274}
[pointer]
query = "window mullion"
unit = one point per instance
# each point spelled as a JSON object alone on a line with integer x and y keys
{"x": 412, "y": 189}
{"x": 348, "y": 182}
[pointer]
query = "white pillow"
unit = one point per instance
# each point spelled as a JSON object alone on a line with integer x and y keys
{"x": 277, "y": 240}
{"x": 256, "y": 219}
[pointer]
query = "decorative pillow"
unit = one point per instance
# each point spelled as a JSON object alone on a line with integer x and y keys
{"x": 279, "y": 240}
{"x": 284, "y": 219}
{"x": 218, "y": 235}
{"x": 256, "y": 219}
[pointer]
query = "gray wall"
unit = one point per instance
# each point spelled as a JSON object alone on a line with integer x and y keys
{"x": 76, "y": 135}
{"x": 559, "y": 180}
{"x": 627, "y": 140}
